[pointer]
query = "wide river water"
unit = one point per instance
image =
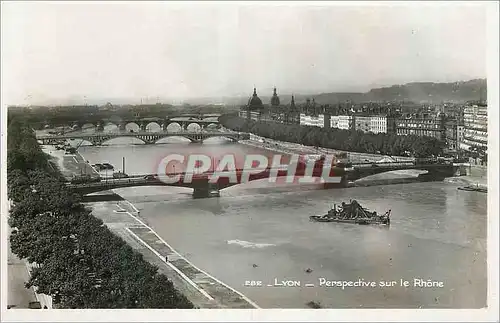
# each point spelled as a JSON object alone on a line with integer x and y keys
{"x": 261, "y": 232}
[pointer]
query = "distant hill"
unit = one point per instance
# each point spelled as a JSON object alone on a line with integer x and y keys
{"x": 418, "y": 92}
{"x": 421, "y": 92}
{"x": 432, "y": 92}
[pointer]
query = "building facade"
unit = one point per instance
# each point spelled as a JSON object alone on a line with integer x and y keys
{"x": 362, "y": 123}
{"x": 454, "y": 133}
{"x": 475, "y": 133}
{"x": 317, "y": 121}
{"x": 345, "y": 122}
{"x": 422, "y": 125}
{"x": 378, "y": 124}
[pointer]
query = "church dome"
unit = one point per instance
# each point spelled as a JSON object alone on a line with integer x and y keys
{"x": 275, "y": 100}
{"x": 255, "y": 102}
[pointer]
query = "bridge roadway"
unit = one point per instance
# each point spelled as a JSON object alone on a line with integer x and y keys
{"x": 200, "y": 182}
{"x": 147, "y": 137}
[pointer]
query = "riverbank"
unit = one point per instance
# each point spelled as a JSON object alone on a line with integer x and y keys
{"x": 476, "y": 175}
{"x": 123, "y": 219}
{"x": 293, "y": 148}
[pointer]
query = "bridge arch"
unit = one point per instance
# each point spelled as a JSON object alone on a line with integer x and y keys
{"x": 132, "y": 126}
{"x": 153, "y": 126}
{"x": 110, "y": 127}
{"x": 193, "y": 126}
{"x": 109, "y": 141}
{"x": 152, "y": 138}
{"x": 80, "y": 142}
{"x": 174, "y": 140}
{"x": 213, "y": 126}
{"x": 218, "y": 139}
{"x": 173, "y": 127}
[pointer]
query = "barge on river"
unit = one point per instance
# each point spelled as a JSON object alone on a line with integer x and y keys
{"x": 476, "y": 188}
{"x": 353, "y": 213}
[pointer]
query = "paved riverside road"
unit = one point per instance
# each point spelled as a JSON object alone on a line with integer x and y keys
{"x": 18, "y": 296}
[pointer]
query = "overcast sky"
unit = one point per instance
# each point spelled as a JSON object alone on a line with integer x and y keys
{"x": 53, "y": 51}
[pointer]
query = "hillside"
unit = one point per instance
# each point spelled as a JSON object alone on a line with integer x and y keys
{"x": 418, "y": 92}
{"x": 432, "y": 92}
{"x": 421, "y": 92}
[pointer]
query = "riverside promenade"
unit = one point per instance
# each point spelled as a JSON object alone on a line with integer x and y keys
{"x": 123, "y": 219}
{"x": 294, "y": 148}
{"x": 18, "y": 296}
{"x": 18, "y": 274}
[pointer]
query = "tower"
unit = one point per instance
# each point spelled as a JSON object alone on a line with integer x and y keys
{"x": 275, "y": 100}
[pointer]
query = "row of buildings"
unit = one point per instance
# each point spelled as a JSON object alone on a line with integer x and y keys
{"x": 466, "y": 129}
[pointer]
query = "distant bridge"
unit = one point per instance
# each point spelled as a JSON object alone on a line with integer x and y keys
{"x": 147, "y": 137}
{"x": 183, "y": 120}
{"x": 203, "y": 187}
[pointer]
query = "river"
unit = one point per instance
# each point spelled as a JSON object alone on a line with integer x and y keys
{"x": 260, "y": 232}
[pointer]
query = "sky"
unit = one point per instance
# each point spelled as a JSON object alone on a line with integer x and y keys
{"x": 80, "y": 51}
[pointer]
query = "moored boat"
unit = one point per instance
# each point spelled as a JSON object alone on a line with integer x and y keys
{"x": 474, "y": 189}
{"x": 353, "y": 213}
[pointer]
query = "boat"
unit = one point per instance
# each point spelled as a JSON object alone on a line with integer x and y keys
{"x": 353, "y": 213}
{"x": 366, "y": 221}
{"x": 120, "y": 175}
{"x": 473, "y": 189}
{"x": 85, "y": 178}
{"x": 107, "y": 166}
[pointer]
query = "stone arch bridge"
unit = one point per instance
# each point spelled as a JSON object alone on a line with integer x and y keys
{"x": 143, "y": 123}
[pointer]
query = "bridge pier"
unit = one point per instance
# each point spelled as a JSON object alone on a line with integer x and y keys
{"x": 206, "y": 191}
{"x": 100, "y": 127}
{"x": 439, "y": 173}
